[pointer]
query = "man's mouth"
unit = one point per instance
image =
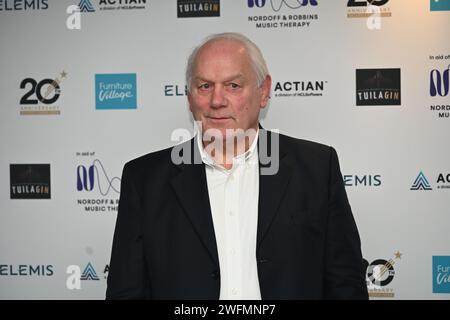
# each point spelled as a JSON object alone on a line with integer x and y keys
{"x": 219, "y": 118}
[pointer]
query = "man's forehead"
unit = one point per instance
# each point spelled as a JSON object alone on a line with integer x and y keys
{"x": 238, "y": 76}
{"x": 222, "y": 46}
{"x": 222, "y": 60}
{"x": 236, "y": 57}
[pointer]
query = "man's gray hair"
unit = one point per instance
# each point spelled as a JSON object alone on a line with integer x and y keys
{"x": 256, "y": 58}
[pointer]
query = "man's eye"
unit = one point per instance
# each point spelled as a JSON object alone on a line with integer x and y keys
{"x": 234, "y": 85}
{"x": 204, "y": 86}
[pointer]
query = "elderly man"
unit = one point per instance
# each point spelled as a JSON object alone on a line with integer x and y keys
{"x": 215, "y": 226}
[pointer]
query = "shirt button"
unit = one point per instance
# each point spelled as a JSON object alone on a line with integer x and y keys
{"x": 233, "y": 251}
{"x": 231, "y": 213}
{"x": 234, "y": 292}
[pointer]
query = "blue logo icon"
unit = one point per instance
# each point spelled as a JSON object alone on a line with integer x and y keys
{"x": 441, "y": 274}
{"x": 278, "y": 4}
{"x": 86, "y": 6}
{"x": 440, "y": 5}
{"x": 115, "y": 91}
{"x": 86, "y": 179}
{"x": 439, "y": 83}
{"x": 421, "y": 183}
{"x": 89, "y": 273}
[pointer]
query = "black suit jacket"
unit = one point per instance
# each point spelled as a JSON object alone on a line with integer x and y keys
{"x": 308, "y": 245}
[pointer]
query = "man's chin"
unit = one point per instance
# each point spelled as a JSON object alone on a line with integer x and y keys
{"x": 226, "y": 133}
{"x": 220, "y": 123}
{"x": 218, "y": 132}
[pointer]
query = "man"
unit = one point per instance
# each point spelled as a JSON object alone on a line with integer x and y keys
{"x": 221, "y": 228}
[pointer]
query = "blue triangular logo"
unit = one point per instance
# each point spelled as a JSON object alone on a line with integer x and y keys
{"x": 86, "y": 6}
{"x": 421, "y": 183}
{"x": 89, "y": 273}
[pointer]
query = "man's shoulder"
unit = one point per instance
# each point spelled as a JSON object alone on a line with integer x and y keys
{"x": 304, "y": 148}
{"x": 299, "y": 148}
{"x": 302, "y": 143}
{"x": 314, "y": 158}
{"x": 146, "y": 159}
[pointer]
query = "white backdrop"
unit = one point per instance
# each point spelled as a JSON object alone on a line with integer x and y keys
{"x": 382, "y": 149}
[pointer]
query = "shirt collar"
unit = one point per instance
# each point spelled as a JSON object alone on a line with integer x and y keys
{"x": 242, "y": 158}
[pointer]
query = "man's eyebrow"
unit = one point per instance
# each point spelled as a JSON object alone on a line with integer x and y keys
{"x": 234, "y": 77}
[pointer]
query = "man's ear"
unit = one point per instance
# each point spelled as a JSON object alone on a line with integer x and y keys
{"x": 265, "y": 91}
{"x": 189, "y": 97}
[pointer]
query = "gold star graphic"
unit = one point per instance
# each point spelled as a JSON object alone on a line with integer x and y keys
{"x": 63, "y": 74}
{"x": 398, "y": 255}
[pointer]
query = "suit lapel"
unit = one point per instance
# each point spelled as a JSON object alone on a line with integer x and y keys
{"x": 271, "y": 187}
{"x": 192, "y": 190}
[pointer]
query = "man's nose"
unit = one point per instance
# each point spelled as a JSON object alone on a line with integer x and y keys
{"x": 218, "y": 99}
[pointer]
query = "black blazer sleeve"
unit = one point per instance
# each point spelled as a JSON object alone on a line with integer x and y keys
{"x": 344, "y": 274}
{"x": 127, "y": 277}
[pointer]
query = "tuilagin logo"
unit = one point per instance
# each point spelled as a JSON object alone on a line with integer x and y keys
{"x": 379, "y": 275}
{"x": 41, "y": 95}
{"x": 23, "y": 5}
{"x": 30, "y": 181}
{"x": 362, "y": 8}
{"x": 439, "y": 89}
{"x": 92, "y": 179}
{"x": 198, "y": 8}
{"x": 115, "y": 91}
{"x": 299, "y": 88}
{"x": 282, "y": 14}
{"x": 439, "y": 5}
{"x": 378, "y": 87}
{"x": 441, "y": 274}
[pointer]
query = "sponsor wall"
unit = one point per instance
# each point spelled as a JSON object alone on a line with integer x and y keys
{"x": 85, "y": 89}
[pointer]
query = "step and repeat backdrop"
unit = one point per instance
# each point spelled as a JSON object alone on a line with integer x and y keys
{"x": 88, "y": 85}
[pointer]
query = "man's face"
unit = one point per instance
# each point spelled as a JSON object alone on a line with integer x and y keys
{"x": 224, "y": 94}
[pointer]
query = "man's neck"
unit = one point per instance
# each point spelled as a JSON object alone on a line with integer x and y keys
{"x": 223, "y": 152}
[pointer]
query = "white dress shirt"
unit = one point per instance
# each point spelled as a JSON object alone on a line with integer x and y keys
{"x": 233, "y": 195}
